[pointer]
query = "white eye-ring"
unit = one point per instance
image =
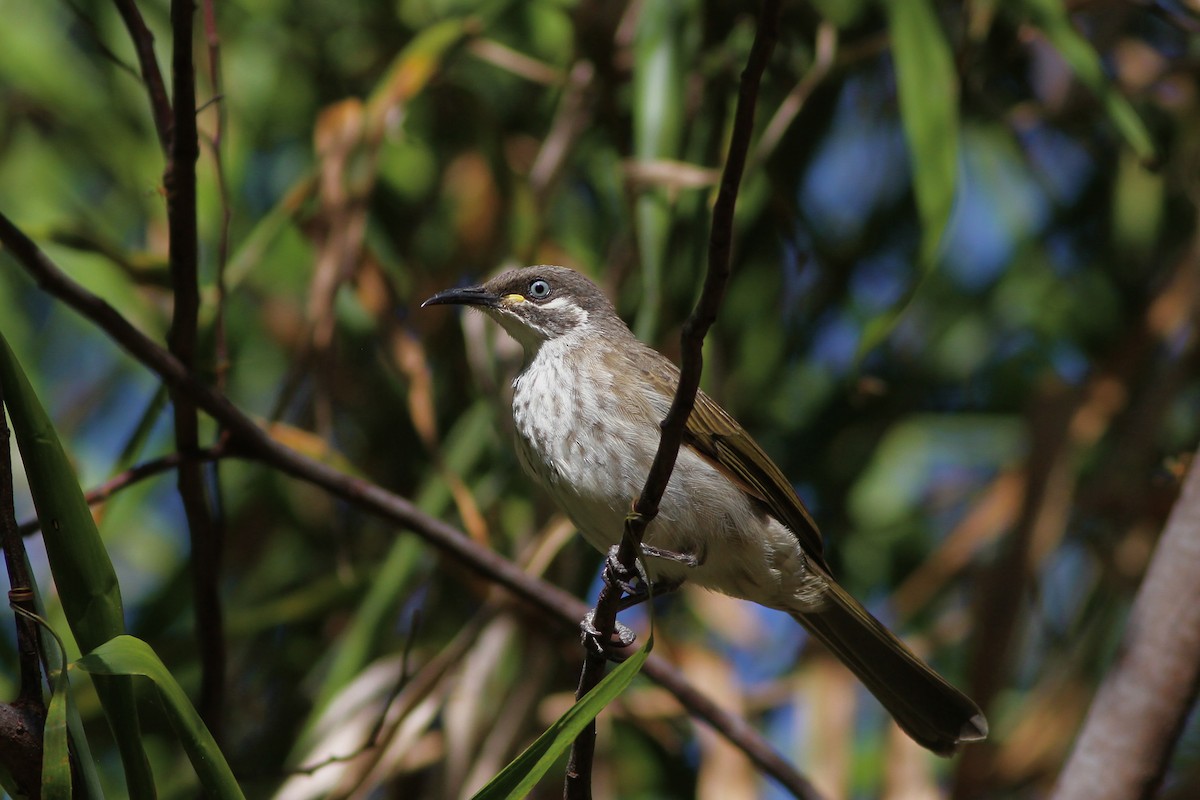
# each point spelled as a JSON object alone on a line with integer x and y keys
{"x": 539, "y": 289}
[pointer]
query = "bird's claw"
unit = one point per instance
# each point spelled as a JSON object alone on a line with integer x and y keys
{"x": 618, "y": 575}
{"x": 622, "y": 635}
{"x": 638, "y": 587}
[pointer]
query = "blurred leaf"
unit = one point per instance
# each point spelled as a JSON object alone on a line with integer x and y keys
{"x": 412, "y": 69}
{"x": 128, "y": 656}
{"x": 519, "y": 778}
{"x": 927, "y": 84}
{"x": 83, "y": 573}
{"x": 913, "y": 453}
{"x": 659, "y": 75}
{"x": 842, "y": 13}
{"x": 928, "y": 87}
{"x": 1051, "y": 17}
{"x": 358, "y": 643}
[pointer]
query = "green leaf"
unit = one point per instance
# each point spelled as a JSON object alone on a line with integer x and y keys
{"x": 1051, "y": 17}
{"x": 56, "y": 756}
{"x": 54, "y": 657}
{"x": 928, "y": 88}
{"x": 522, "y": 774}
{"x": 83, "y": 573}
{"x": 126, "y": 656}
{"x": 659, "y": 77}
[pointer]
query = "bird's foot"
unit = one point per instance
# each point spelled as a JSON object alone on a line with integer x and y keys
{"x": 638, "y": 588}
{"x": 616, "y": 574}
{"x": 622, "y": 636}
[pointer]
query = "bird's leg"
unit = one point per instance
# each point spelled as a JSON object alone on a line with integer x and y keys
{"x": 687, "y": 559}
{"x": 615, "y": 575}
{"x": 657, "y": 589}
{"x": 639, "y": 588}
{"x": 636, "y": 587}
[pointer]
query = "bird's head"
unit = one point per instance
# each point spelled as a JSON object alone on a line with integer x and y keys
{"x": 537, "y": 304}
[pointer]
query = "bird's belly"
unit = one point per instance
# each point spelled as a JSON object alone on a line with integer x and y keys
{"x": 592, "y": 455}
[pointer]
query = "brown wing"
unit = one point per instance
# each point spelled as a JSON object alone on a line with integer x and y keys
{"x": 721, "y": 441}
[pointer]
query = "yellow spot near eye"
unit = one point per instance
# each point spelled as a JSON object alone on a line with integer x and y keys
{"x": 512, "y": 299}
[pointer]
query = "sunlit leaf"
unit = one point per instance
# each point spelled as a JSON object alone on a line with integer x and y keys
{"x": 522, "y": 774}
{"x": 128, "y": 656}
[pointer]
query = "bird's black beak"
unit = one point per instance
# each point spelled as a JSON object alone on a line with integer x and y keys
{"x": 469, "y": 296}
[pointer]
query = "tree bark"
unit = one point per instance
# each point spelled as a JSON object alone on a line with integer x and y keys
{"x": 1138, "y": 713}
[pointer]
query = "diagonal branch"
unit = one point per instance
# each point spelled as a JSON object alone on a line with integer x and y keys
{"x": 720, "y": 242}
{"x": 143, "y": 43}
{"x": 554, "y": 604}
{"x": 134, "y": 475}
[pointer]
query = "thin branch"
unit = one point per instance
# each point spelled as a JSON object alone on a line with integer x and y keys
{"x": 579, "y": 767}
{"x": 143, "y": 43}
{"x": 179, "y": 179}
{"x": 98, "y": 40}
{"x": 21, "y": 721}
{"x": 132, "y": 476}
{"x": 789, "y": 109}
{"x": 372, "y": 738}
{"x": 20, "y": 583}
{"x": 249, "y": 440}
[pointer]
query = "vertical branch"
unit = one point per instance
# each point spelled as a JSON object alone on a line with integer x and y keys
{"x": 179, "y": 179}
{"x": 720, "y": 241}
{"x": 1138, "y": 714}
{"x": 21, "y": 721}
{"x": 143, "y": 43}
{"x": 20, "y": 584}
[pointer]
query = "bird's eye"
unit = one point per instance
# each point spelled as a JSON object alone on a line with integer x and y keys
{"x": 539, "y": 289}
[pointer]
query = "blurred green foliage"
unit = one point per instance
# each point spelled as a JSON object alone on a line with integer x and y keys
{"x": 1005, "y": 452}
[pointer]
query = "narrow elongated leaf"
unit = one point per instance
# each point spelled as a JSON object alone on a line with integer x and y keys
{"x": 83, "y": 573}
{"x": 126, "y": 656}
{"x": 54, "y": 656}
{"x": 1051, "y": 17}
{"x": 56, "y": 756}
{"x": 928, "y": 89}
{"x": 523, "y": 773}
{"x": 659, "y": 77}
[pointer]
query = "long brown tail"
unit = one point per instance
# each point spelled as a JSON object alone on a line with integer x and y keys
{"x": 930, "y": 710}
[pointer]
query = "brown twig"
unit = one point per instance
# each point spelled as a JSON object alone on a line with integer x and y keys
{"x": 789, "y": 109}
{"x": 372, "y": 739}
{"x": 143, "y": 43}
{"x": 251, "y": 441}
{"x": 132, "y": 476}
{"x": 579, "y": 768}
{"x": 20, "y": 721}
{"x": 19, "y": 581}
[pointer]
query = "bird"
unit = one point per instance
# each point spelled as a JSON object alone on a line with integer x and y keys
{"x": 587, "y": 407}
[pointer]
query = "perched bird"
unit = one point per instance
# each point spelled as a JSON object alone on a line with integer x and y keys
{"x": 587, "y": 406}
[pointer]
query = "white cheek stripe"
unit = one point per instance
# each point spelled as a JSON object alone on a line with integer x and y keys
{"x": 568, "y": 304}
